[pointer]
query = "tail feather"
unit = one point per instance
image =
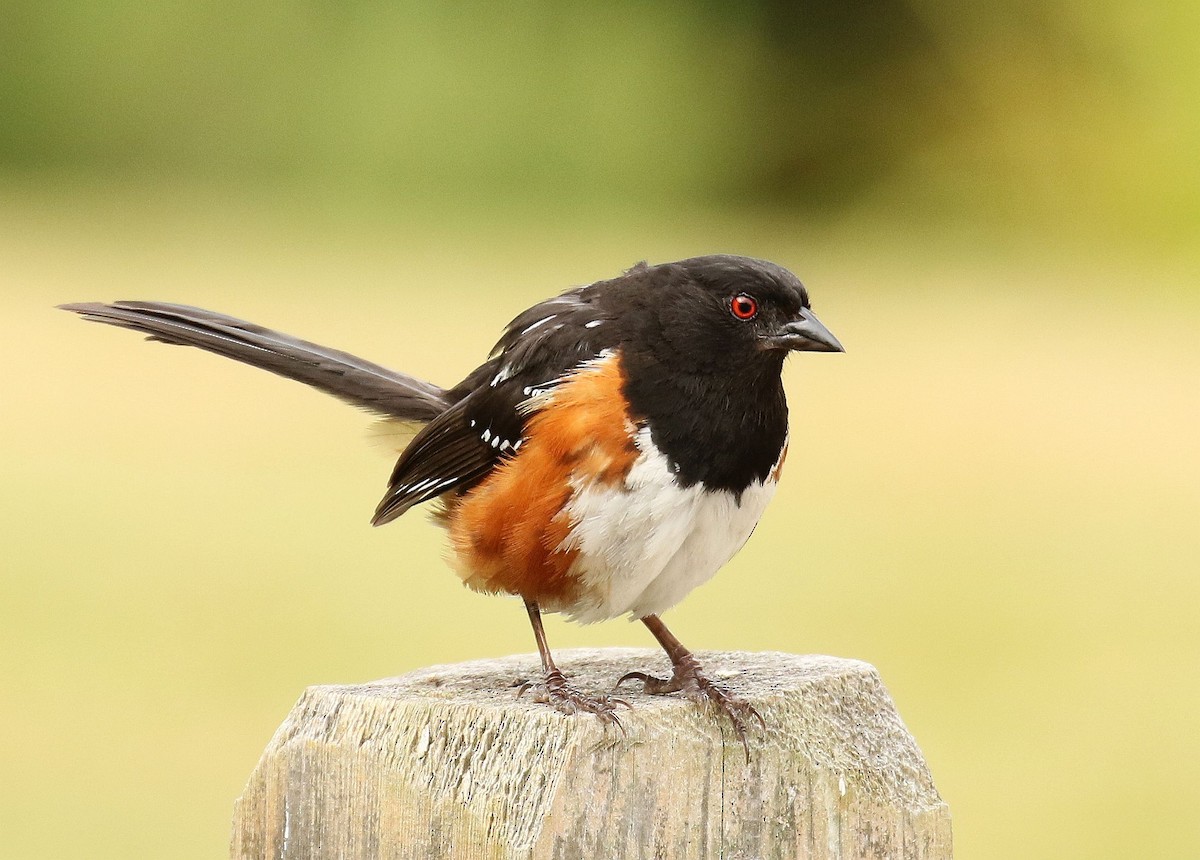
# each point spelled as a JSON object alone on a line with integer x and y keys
{"x": 340, "y": 374}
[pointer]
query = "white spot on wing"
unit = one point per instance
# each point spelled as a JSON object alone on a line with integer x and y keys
{"x": 540, "y": 322}
{"x": 542, "y": 393}
{"x": 505, "y": 373}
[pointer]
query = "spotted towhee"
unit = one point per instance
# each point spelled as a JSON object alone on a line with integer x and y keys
{"x": 614, "y": 451}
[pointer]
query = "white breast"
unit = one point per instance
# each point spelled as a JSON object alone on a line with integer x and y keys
{"x": 644, "y": 545}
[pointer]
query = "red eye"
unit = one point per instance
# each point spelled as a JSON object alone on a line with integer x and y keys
{"x": 743, "y": 307}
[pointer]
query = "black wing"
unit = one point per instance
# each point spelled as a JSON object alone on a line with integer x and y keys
{"x": 487, "y": 421}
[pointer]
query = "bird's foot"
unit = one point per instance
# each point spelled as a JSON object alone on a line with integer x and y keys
{"x": 691, "y": 682}
{"x": 566, "y": 699}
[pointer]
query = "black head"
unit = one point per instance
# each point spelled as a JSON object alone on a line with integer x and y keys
{"x": 769, "y": 306}
{"x": 703, "y": 342}
{"x": 719, "y": 311}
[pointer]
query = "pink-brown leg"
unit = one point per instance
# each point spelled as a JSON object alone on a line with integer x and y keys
{"x": 554, "y": 689}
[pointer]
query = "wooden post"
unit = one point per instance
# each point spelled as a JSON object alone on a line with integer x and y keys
{"x": 448, "y": 763}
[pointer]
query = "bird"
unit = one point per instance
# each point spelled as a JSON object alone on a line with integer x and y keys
{"x": 616, "y": 448}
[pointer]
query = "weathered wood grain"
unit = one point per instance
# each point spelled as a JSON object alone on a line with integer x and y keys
{"x": 447, "y": 763}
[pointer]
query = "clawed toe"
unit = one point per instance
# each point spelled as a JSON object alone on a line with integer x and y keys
{"x": 566, "y": 699}
{"x": 688, "y": 680}
{"x": 737, "y": 709}
{"x": 650, "y": 684}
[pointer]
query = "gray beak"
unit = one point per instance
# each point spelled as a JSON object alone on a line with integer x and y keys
{"x": 807, "y": 333}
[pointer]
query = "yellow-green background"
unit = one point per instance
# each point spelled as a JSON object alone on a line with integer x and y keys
{"x": 993, "y": 496}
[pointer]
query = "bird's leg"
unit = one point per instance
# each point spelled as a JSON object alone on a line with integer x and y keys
{"x": 554, "y": 689}
{"x": 689, "y": 680}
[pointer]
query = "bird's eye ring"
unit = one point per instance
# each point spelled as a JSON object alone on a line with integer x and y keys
{"x": 743, "y": 307}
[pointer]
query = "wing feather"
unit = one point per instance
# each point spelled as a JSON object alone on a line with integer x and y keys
{"x": 491, "y": 406}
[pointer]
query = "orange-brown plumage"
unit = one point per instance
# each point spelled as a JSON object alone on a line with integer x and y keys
{"x": 508, "y": 533}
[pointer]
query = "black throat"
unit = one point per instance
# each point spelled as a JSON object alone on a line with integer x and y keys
{"x": 723, "y": 430}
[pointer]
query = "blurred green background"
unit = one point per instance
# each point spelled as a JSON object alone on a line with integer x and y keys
{"x": 995, "y": 495}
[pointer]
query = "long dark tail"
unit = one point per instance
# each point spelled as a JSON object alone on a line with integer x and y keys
{"x": 346, "y": 377}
